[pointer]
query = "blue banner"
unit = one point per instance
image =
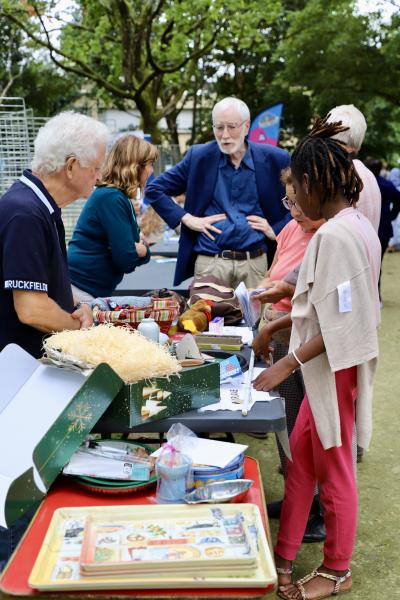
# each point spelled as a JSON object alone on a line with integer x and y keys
{"x": 266, "y": 126}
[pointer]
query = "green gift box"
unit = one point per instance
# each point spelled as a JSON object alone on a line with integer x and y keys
{"x": 162, "y": 397}
{"x": 45, "y": 414}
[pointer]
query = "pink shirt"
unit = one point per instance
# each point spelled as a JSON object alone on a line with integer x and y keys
{"x": 365, "y": 230}
{"x": 292, "y": 243}
{"x": 369, "y": 202}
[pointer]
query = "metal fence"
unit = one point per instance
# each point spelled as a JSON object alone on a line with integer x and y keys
{"x": 18, "y": 129}
{"x": 15, "y": 151}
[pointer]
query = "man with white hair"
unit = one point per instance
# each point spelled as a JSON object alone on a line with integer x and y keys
{"x": 35, "y": 289}
{"x": 233, "y": 207}
{"x": 369, "y": 202}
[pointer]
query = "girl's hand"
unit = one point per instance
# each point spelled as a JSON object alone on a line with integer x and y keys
{"x": 270, "y": 378}
{"x": 141, "y": 249}
{"x": 261, "y": 344}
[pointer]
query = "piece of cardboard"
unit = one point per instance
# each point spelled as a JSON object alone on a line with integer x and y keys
{"x": 45, "y": 414}
{"x": 162, "y": 397}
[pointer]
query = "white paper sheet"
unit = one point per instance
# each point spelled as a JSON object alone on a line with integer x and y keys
{"x": 209, "y": 452}
{"x": 233, "y": 390}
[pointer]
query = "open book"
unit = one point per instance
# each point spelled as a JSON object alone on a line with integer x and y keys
{"x": 251, "y": 308}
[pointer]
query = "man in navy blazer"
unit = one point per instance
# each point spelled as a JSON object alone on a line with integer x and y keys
{"x": 233, "y": 207}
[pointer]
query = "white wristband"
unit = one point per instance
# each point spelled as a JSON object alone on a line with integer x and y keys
{"x": 298, "y": 360}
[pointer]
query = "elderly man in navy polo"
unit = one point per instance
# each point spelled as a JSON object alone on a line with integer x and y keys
{"x": 233, "y": 208}
{"x": 35, "y": 289}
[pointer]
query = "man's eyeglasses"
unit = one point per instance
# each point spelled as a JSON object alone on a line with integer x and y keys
{"x": 231, "y": 127}
{"x": 288, "y": 204}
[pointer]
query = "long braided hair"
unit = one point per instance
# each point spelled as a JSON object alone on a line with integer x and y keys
{"x": 327, "y": 163}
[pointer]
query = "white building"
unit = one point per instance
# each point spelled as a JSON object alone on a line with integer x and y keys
{"x": 124, "y": 120}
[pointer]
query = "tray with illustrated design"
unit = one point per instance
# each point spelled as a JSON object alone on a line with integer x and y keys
{"x": 174, "y": 546}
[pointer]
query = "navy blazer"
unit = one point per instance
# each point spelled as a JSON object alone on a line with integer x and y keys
{"x": 196, "y": 176}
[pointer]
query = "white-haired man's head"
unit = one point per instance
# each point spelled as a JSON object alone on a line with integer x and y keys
{"x": 231, "y": 122}
{"x": 69, "y": 152}
{"x": 68, "y": 134}
{"x": 352, "y": 118}
{"x": 230, "y": 102}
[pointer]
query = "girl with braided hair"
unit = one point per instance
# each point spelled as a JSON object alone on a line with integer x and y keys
{"x": 106, "y": 242}
{"x": 334, "y": 320}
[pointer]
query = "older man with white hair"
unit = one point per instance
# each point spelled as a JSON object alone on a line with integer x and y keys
{"x": 35, "y": 289}
{"x": 369, "y": 202}
{"x": 233, "y": 207}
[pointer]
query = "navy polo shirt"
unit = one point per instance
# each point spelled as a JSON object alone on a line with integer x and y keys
{"x": 236, "y": 195}
{"x": 32, "y": 258}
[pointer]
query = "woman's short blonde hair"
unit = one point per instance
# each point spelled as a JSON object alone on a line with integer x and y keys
{"x": 125, "y": 163}
{"x": 286, "y": 176}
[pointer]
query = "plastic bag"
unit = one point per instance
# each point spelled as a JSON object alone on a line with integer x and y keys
{"x": 174, "y": 468}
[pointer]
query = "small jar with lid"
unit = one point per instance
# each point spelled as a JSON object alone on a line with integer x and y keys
{"x": 149, "y": 328}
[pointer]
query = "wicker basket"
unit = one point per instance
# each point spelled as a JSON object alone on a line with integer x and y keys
{"x": 162, "y": 310}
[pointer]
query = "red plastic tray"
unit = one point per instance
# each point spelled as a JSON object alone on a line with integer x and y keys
{"x": 14, "y": 580}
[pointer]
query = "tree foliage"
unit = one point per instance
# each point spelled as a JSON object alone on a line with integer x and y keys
{"x": 157, "y": 54}
{"x": 11, "y": 55}
{"x": 142, "y": 51}
{"x": 43, "y": 87}
{"x": 324, "y": 53}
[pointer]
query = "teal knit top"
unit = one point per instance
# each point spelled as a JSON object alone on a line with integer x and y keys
{"x": 102, "y": 247}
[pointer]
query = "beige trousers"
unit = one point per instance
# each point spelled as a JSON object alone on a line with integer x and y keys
{"x": 232, "y": 272}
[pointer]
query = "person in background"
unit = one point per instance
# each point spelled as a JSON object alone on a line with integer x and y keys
{"x": 232, "y": 209}
{"x": 394, "y": 243}
{"x": 35, "y": 295}
{"x": 369, "y": 202}
{"x": 390, "y": 206}
{"x": 292, "y": 243}
{"x": 153, "y": 227}
{"x": 394, "y": 176}
{"x": 337, "y": 289}
{"x": 106, "y": 241}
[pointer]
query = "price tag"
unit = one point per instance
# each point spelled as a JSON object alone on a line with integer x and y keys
{"x": 344, "y": 291}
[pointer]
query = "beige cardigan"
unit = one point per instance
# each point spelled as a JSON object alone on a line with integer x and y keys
{"x": 336, "y": 255}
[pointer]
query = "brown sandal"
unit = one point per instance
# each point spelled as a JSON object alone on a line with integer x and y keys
{"x": 338, "y": 589}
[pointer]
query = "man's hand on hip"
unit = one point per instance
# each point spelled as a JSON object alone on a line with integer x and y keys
{"x": 203, "y": 224}
{"x": 261, "y": 224}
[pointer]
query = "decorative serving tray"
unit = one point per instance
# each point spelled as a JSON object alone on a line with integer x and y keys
{"x": 64, "y": 552}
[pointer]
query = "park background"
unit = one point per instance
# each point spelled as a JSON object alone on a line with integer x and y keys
{"x": 163, "y": 63}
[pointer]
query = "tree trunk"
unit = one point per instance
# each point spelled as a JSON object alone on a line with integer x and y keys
{"x": 149, "y": 120}
{"x": 172, "y": 129}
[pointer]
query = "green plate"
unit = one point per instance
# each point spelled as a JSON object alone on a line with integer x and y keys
{"x": 103, "y": 485}
{"x": 137, "y": 487}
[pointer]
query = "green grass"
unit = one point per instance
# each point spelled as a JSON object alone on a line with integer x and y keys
{"x": 376, "y": 559}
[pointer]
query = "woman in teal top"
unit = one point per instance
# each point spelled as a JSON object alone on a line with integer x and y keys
{"x": 106, "y": 241}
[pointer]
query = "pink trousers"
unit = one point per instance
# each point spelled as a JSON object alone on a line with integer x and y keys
{"x": 333, "y": 470}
